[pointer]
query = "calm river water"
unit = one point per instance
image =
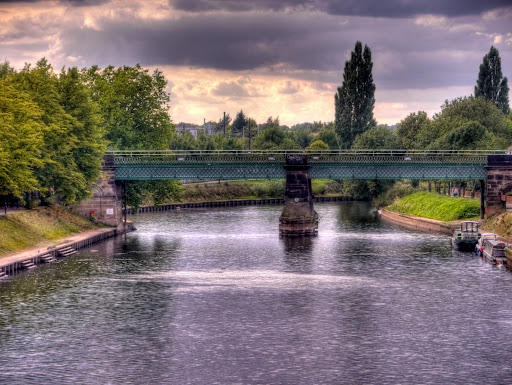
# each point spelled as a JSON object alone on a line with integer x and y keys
{"x": 216, "y": 297}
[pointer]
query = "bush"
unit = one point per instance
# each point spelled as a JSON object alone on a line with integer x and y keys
{"x": 399, "y": 190}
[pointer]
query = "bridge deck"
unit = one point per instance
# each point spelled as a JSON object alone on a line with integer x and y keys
{"x": 343, "y": 164}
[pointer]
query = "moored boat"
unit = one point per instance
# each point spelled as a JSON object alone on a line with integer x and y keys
{"x": 494, "y": 251}
{"x": 479, "y": 248}
{"x": 467, "y": 237}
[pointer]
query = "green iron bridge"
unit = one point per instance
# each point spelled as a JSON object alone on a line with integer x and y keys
{"x": 342, "y": 164}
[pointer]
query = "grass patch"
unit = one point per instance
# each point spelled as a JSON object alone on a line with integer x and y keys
{"x": 26, "y": 229}
{"x": 434, "y": 206}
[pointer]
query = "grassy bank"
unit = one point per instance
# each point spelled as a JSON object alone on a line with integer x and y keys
{"x": 436, "y": 206}
{"x": 251, "y": 189}
{"x": 32, "y": 228}
{"x": 500, "y": 224}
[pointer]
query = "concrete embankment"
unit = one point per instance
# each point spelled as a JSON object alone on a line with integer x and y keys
{"x": 417, "y": 223}
{"x": 29, "y": 259}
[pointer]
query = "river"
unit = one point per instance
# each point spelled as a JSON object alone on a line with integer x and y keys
{"x": 216, "y": 297}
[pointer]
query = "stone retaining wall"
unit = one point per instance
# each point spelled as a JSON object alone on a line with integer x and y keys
{"x": 416, "y": 223}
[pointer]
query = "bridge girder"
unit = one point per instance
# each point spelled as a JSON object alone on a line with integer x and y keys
{"x": 344, "y": 164}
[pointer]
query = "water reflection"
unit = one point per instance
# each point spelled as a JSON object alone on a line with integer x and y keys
{"x": 298, "y": 252}
{"x": 216, "y": 297}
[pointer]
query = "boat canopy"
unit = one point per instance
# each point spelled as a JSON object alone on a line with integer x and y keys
{"x": 469, "y": 226}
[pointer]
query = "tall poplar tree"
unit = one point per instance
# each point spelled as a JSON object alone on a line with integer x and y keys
{"x": 355, "y": 98}
{"x": 491, "y": 84}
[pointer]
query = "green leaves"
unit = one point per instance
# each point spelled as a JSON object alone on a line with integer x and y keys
{"x": 491, "y": 85}
{"x": 355, "y": 98}
{"x": 379, "y": 137}
{"x": 134, "y": 107}
{"x": 21, "y": 141}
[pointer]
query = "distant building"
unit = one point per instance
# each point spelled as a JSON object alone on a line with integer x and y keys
{"x": 192, "y": 128}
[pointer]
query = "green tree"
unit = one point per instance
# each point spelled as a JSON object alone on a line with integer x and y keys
{"x": 491, "y": 85}
{"x": 21, "y": 141}
{"x": 380, "y": 137}
{"x": 223, "y": 125}
{"x": 301, "y": 136}
{"x": 328, "y": 136}
{"x": 5, "y": 69}
{"x": 409, "y": 128}
{"x": 271, "y": 136}
{"x": 456, "y": 117}
{"x": 76, "y": 99}
{"x": 355, "y": 98}
{"x": 317, "y": 145}
{"x": 183, "y": 141}
{"x": 60, "y": 171}
{"x": 466, "y": 136}
{"x": 239, "y": 124}
{"x": 134, "y": 107}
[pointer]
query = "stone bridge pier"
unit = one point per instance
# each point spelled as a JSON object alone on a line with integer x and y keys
{"x": 105, "y": 204}
{"x": 299, "y": 217}
{"x": 499, "y": 182}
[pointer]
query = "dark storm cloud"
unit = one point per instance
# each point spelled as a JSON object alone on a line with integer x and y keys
{"x": 288, "y": 45}
{"x": 374, "y": 8}
{"x": 226, "y": 42}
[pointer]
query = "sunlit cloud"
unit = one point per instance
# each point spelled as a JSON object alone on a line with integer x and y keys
{"x": 269, "y": 57}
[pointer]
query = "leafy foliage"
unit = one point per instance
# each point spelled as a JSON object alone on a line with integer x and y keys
{"x": 328, "y": 136}
{"x": 380, "y": 137}
{"x": 317, "y": 145}
{"x": 239, "y": 123}
{"x": 134, "y": 106}
{"x": 21, "y": 140}
{"x": 271, "y": 136}
{"x": 355, "y": 98}
{"x": 73, "y": 141}
{"x": 491, "y": 85}
{"x": 467, "y": 123}
{"x": 410, "y": 127}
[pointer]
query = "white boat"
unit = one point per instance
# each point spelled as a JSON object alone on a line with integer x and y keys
{"x": 494, "y": 251}
{"x": 479, "y": 248}
{"x": 467, "y": 237}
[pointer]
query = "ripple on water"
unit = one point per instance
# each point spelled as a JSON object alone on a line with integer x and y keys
{"x": 216, "y": 297}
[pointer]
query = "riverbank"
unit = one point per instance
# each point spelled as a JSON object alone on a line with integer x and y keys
{"x": 39, "y": 227}
{"x": 33, "y": 257}
{"x": 418, "y": 223}
{"x": 31, "y": 237}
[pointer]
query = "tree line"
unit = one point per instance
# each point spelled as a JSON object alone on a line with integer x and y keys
{"x": 56, "y": 126}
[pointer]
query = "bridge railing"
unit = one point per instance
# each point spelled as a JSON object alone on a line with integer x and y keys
{"x": 393, "y": 156}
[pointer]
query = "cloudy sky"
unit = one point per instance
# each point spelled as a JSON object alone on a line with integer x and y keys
{"x": 269, "y": 57}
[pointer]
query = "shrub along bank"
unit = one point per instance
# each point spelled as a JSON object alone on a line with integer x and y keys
{"x": 32, "y": 228}
{"x": 436, "y": 206}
